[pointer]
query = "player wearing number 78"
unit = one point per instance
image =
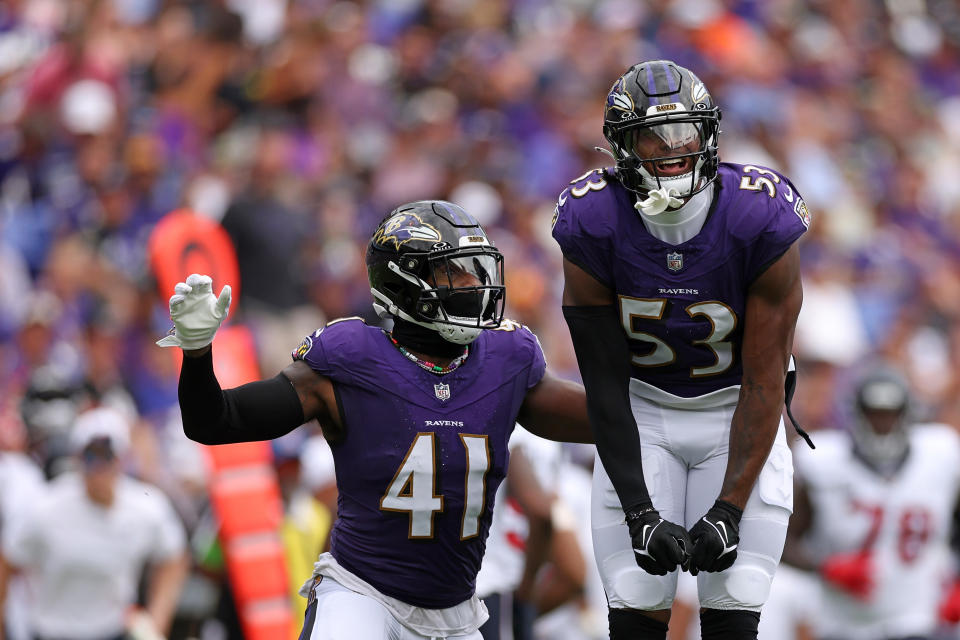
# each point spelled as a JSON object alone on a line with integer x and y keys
{"x": 418, "y": 421}
{"x": 682, "y": 290}
{"x": 876, "y": 516}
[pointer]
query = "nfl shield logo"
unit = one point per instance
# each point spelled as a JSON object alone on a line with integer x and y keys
{"x": 675, "y": 261}
{"x": 442, "y": 391}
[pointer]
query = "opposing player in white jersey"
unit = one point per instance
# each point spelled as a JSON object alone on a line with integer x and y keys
{"x": 873, "y": 513}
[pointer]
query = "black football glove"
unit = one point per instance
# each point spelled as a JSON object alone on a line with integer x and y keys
{"x": 658, "y": 546}
{"x": 715, "y": 538}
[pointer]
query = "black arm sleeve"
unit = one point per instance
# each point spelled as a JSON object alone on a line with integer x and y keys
{"x": 255, "y": 411}
{"x": 604, "y": 359}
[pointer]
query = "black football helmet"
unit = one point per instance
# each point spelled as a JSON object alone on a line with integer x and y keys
{"x": 882, "y": 412}
{"x": 662, "y": 103}
{"x": 431, "y": 263}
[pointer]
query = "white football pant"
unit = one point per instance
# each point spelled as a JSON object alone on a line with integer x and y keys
{"x": 342, "y": 614}
{"x": 684, "y": 461}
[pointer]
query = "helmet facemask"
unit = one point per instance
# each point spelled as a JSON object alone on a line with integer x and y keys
{"x": 456, "y": 292}
{"x": 649, "y": 150}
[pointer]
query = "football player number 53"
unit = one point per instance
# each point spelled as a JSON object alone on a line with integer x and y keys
{"x": 413, "y": 488}
{"x": 721, "y": 318}
{"x": 764, "y": 180}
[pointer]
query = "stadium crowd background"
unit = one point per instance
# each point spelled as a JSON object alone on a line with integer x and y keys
{"x": 299, "y": 123}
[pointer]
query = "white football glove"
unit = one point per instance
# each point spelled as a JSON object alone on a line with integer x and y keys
{"x": 196, "y": 313}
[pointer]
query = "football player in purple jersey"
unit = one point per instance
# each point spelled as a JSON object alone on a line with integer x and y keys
{"x": 682, "y": 290}
{"x": 418, "y": 420}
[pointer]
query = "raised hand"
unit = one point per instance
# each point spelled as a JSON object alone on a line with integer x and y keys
{"x": 196, "y": 313}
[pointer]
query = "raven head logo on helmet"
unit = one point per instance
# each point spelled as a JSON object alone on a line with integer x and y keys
{"x": 662, "y": 127}
{"x": 618, "y": 99}
{"x": 430, "y": 263}
{"x": 404, "y": 227}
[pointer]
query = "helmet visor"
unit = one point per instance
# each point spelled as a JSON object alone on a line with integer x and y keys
{"x": 469, "y": 288}
{"x": 665, "y": 140}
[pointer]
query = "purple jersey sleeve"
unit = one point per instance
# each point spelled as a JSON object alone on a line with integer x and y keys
{"x": 787, "y": 219}
{"x": 538, "y": 366}
{"x": 584, "y": 225}
{"x": 324, "y": 350}
{"x": 518, "y": 353}
{"x": 311, "y": 351}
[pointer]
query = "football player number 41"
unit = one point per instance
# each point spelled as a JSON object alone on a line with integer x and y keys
{"x": 413, "y": 488}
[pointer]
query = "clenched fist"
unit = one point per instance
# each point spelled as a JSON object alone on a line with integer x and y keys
{"x": 659, "y": 546}
{"x": 715, "y": 538}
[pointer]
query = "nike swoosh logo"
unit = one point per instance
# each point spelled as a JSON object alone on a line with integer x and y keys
{"x": 645, "y": 536}
{"x": 724, "y": 537}
{"x": 562, "y": 199}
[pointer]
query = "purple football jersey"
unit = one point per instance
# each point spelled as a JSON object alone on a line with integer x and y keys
{"x": 682, "y": 306}
{"x": 422, "y": 455}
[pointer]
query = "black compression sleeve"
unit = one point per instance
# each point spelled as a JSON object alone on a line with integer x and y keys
{"x": 255, "y": 411}
{"x": 604, "y": 359}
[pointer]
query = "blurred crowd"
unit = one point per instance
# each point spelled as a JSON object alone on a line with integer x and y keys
{"x": 298, "y": 124}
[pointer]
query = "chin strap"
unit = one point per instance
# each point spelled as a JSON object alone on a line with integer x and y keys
{"x": 658, "y": 201}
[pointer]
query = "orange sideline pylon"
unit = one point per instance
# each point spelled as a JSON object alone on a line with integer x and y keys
{"x": 243, "y": 487}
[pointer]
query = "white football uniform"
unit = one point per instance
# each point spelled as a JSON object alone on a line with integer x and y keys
{"x": 343, "y": 605}
{"x": 904, "y": 522}
{"x": 684, "y": 461}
